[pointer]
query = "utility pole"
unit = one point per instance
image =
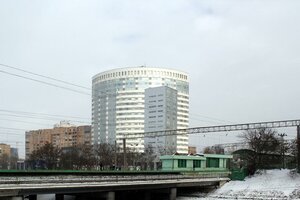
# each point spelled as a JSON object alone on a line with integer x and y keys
{"x": 124, "y": 153}
{"x": 115, "y": 159}
{"x": 282, "y": 148}
{"x": 298, "y": 148}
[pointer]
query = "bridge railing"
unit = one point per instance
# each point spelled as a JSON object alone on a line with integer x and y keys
{"x": 109, "y": 178}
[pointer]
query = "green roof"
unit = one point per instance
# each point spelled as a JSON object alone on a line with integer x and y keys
{"x": 195, "y": 157}
{"x": 217, "y": 156}
{"x": 173, "y": 157}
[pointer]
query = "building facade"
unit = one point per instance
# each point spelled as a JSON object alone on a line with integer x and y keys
{"x": 8, "y": 156}
{"x": 118, "y": 103}
{"x": 5, "y": 149}
{"x": 62, "y": 135}
{"x": 199, "y": 163}
{"x": 161, "y": 114}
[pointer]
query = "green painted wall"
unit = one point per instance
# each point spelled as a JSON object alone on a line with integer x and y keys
{"x": 211, "y": 163}
{"x": 221, "y": 163}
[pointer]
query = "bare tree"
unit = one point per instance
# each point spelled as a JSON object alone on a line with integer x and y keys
{"x": 292, "y": 150}
{"x": 48, "y": 154}
{"x": 261, "y": 141}
{"x": 4, "y": 161}
{"x": 70, "y": 158}
{"x": 217, "y": 149}
{"x": 86, "y": 156}
{"x": 208, "y": 150}
{"x": 147, "y": 158}
{"x": 13, "y": 160}
{"x": 106, "y": 155}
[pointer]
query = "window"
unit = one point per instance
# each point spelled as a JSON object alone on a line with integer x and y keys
{"x": 197, "y": 163}
{"x": 212, "y": 162}
{"x": 181, "y": 163}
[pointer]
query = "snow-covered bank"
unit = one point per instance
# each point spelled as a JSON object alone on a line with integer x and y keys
{"x": 266, "y": 184}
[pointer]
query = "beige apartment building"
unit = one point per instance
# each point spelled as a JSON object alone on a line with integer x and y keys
{"x": 5, "y": 149}
{"x": 62, "y": 135}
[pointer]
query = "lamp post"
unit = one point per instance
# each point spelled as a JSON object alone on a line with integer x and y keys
{"x": 124, "y": 154}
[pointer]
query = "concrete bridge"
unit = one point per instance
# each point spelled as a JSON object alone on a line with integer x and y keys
{"x": 109, "y": 187}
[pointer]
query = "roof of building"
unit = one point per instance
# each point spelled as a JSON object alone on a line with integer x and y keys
{"x": 195, "y": 157}
{"x": 186, "y": 157}
{"x": 139, "y": 68}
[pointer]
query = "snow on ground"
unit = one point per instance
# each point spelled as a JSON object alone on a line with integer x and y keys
{"x": 265, "y": 184}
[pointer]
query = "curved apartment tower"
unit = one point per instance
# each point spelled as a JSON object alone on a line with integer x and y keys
{"x": 119, "y": 106}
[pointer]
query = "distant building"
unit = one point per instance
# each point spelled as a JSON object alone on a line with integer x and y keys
{"x": 14, "y": 152}
{"x": 63, "y": 135}
{"x": 5, "y": 149}
{"x": 118, "y": 104}
{"x": 7, "y": 161}
{"x": 192, "y": 150}
{"x": 160, "y": 115}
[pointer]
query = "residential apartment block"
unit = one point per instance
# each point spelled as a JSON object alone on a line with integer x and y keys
{"x": 62, "y": 135}
{"x": 5, "y": 149}
{"x": 118, "y": 104}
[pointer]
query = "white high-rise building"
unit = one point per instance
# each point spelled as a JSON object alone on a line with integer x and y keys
{"x": 118, "y": 103}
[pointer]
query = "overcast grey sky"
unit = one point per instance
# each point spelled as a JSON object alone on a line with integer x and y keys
{"x": 242, "y": 57}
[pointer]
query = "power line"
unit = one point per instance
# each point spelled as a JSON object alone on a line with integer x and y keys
{"x": 11, "y": 141}
{"x": 43, "y": 114}
{"x": 17, "y": 129}
{"x": 44, "y": 118}
{"x": 212, "y": 118}
{"x": 201, "y": 120}
{"x": 46, "y": 83}
{"x": 26, "y": 122}
{"x": 43, "y": 76}
{"x": 10, "y": 133}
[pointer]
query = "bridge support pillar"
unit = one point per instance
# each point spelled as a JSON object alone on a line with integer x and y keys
{"x": 147, "y": 195}
{"x": 110, "y": 196}
{"x": 173, "y": 194}
{"x": 59, "y": 197}
{"x": 32, "y": 197}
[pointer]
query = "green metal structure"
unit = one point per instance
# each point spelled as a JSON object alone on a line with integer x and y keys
{"x": 196, "y": 163}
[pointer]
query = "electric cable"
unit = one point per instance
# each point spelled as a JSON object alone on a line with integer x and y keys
{"x": 46, "y": 83}
{"x": 43, "y": 76}
{"x": 44, "y": 114}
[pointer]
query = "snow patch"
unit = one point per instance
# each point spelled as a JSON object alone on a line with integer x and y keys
{"x": 265, "y": 184}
